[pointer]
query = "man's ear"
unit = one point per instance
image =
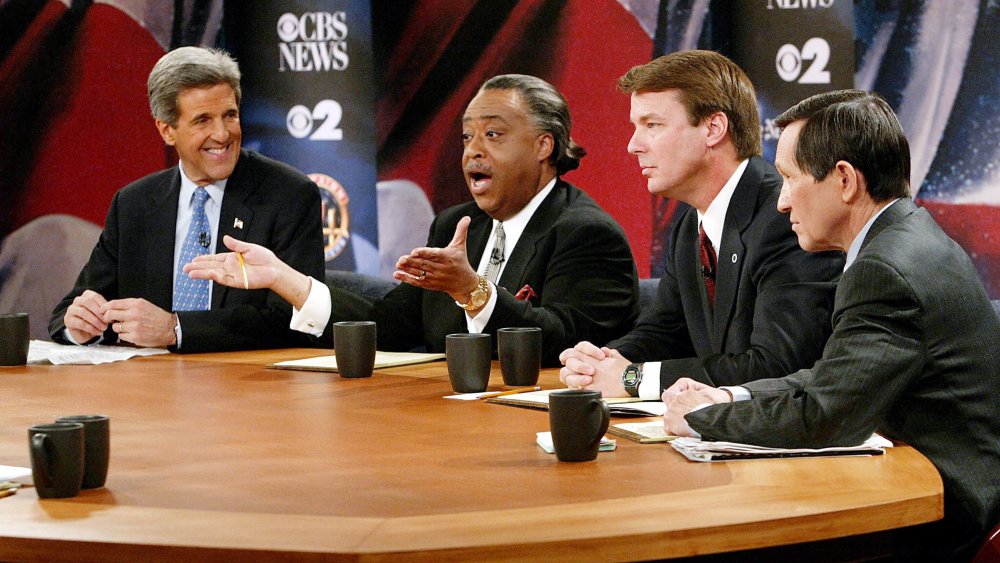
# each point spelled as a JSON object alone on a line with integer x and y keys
{"x": 544, "y": 145}
{"x": 718, "y": 126}
{"x": 166, "y": 132}
{"x": 850, "y": 180}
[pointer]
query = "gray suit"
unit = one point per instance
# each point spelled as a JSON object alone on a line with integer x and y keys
{"x": 914, "y": 355}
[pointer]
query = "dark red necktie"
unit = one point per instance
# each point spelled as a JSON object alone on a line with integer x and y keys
{"x": 708, "y": 263}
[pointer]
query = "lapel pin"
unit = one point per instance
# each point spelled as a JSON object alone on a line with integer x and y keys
{"x": 734, "y": 258}
{"x": 238, "y": 224}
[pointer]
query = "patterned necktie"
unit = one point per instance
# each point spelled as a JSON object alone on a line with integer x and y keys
{"x": 496, "y": 257}
{"x": 190, "y": 294}
{"x": 708, "y": 263}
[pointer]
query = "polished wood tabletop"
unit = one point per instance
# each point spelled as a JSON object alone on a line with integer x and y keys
{"x": 218, "y": 457}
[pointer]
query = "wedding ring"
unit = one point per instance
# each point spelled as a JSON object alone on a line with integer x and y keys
{"x": 423, "y": 274}
{"x": 121, "y": 327}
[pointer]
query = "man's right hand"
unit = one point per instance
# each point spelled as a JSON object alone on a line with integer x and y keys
{"x": 585, "y": 366}
{"x": 83, "y": 317}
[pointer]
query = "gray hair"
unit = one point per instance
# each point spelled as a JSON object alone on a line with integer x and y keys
{"x": 548, "y": 111}
{"x": 188, "y": 67}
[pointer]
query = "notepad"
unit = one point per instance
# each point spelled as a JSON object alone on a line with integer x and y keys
{"x": 618, "y": 406}
{"x": 699, "y": 450}
{"x": 642, "y": 432}
{"x": 382, "y": 360}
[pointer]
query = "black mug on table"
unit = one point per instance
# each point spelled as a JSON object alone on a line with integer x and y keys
{"x": 14, "y": 339}
{"x": 354, "y": 346}
{"x": 96, "y": 447}
{"x": 578, "y": 419}
{"x": 520, "y": 353}
{"x": 57, "y": 458}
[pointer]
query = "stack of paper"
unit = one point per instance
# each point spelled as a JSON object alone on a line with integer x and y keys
{"x": 698, "y": 450}
{"x": 624, "y": 406}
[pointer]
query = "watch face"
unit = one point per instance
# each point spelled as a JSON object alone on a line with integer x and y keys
{"x": 630, "y": 376}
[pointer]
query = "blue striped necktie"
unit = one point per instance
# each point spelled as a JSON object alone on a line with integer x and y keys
{"x": 190, "y": 294}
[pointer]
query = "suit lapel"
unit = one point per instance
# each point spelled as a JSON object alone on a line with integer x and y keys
{"x": 538, "y": 227}
{"x": 236, "y": 216}
{"x": 739, "y": 214}
{"x": 160, "y": 220}
{"x": 478, "y": 238}
{"x": 687, "y": 262}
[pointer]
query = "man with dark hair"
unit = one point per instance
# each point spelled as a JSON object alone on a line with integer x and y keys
{"x": 762, "y": 307}
{"x": 134, "y": 289}
{"x": 914, "y": 352}
{"x": 532, "y": 250}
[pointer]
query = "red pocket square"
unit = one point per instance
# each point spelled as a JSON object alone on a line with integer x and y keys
{"x": 526, "y": 293}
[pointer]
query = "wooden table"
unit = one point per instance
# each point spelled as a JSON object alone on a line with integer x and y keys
{"x": 216, "y": 457}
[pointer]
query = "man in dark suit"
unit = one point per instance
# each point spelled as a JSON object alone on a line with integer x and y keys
{"x": 914, "y": 352}
{"x": 133, "y": 289}
{"x": 532, "y": 250}
{"x": 762, "y": 307}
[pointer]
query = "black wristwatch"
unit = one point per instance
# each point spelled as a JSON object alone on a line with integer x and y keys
{"x": 631, "y": 378}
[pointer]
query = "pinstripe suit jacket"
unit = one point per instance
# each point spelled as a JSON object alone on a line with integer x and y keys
{"x": 914, "y": 354}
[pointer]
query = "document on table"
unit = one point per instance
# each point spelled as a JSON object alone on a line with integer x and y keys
{"x": 42, "y": 352}
{"x": 698, "y": 450}
{"x": 382, "y": 360}
{"x": 642, "y": 432}
{"x": 623, "y": 406}
{"x": 11, "y": 472}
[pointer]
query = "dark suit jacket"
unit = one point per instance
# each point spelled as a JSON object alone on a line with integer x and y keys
{"x": 914, "y": 354}
{"x": 772, "y": 299}
{"x": 572, "y": 254}
{"x": 280, "y": 209}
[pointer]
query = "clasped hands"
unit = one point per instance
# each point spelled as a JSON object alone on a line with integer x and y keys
{"x": 135, "y": 320}
{"x": 585, "y": 366}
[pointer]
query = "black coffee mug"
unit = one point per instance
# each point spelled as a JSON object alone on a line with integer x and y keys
{"x": 520, "y": 352}
{"x": 57, "y": 458}
{"x": 354, "y": 346}
{"x": 14, "y": 339}
{"x": 97, "y": 447}
{"x": 578, "y": 420}
{"x": 469, "y": 357}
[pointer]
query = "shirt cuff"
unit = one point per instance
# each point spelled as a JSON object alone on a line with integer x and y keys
{"x": 479, "y": 322}
{"x": 91, "y": 342}
{"x": 649, "y": 387}
{"x": 315, "y": 311}
{"x": 739, "y": 393}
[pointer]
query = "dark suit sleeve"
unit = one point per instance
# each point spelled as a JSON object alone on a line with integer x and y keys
{"x": 794, "y": 300}
{"x": 296, "y": 238}
{"x": 99, "y": 274}
{"x": 874, "y": 355}
{"x": 589, "y": 291}
{"x": 661, "y": 331}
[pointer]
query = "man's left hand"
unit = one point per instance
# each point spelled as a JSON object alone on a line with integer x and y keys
{"x": 683, "y": 397}
{"x": 588, "y": 367}
{"x": 441, "y": 269}
{"x": 140, "y": 322}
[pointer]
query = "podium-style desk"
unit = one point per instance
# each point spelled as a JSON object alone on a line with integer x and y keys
{"x": 217, "y": 457}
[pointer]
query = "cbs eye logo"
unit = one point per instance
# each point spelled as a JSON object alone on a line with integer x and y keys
{"x": 322, "y": 123}
{"x": 788, "y": 62}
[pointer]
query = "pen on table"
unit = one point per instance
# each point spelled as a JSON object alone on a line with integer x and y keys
{"x": 8, "y": 492}
{"x": 510, "y": 392}
{"x": 243, "y": 268}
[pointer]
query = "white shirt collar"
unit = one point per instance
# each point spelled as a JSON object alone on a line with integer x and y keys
{"x": 714, "y": 218}
{"x": 855, "y": 248}
{"x": 514, "y": 226}
{"x": 188, "y": 187}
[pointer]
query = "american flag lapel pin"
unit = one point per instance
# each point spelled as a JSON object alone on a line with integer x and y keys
{"x": 237, "y": 223}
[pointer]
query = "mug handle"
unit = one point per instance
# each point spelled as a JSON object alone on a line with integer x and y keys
{"x": 38, "y": 451}
{"x": 605, "y": 418}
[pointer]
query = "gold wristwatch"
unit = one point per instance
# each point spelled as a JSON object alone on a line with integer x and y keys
{"x": 478, "y": 297}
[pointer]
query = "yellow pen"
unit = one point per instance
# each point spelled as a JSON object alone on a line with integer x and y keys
{"x": 243, "y": 268}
